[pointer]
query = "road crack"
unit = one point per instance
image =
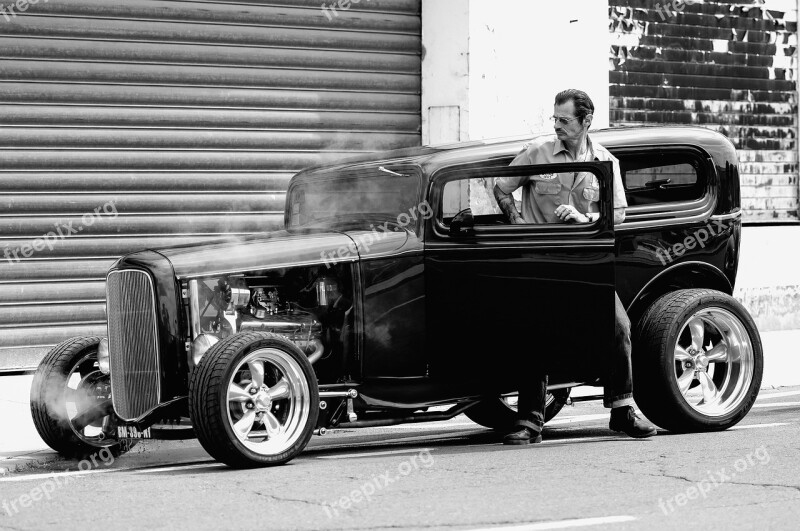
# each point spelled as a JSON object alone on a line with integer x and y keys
{"x": 664, "y": 474}
{"x": 281, "y": 499}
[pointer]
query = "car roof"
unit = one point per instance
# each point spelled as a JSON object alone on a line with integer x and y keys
{"x": 432, "y": 158}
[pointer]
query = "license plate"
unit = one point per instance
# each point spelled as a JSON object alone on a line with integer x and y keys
{"x": 130, "y": 432}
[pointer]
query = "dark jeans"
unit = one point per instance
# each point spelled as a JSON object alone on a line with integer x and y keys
{"x": 618, "y": 390}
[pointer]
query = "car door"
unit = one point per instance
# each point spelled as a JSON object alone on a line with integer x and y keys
{"x": 504, "y": 300}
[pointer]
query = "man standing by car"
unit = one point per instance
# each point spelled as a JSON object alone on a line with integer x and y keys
{"x": 571, "y": 198}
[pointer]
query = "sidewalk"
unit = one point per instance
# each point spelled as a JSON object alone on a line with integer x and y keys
{"x": 21, "y": 447}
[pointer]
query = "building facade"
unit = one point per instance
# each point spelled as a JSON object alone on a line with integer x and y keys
{"x": 155, "y": 122}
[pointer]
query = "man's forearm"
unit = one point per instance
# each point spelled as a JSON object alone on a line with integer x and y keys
{"x": 506, "y": 203}
{"x": 619, "y": 216}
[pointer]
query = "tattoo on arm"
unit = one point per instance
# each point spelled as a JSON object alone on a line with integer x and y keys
{"x": 506, "y": 203}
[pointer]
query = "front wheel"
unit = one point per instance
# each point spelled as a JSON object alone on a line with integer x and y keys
{"x": 254, "y": 400}
{"x": 501, "y": 413}
{"x": 71, "y": 401}
{"x": 697, "y": 361}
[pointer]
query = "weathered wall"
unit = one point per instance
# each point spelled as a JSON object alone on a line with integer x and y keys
{"x": 492, "y": 69}
{"x": 729, "y": 66}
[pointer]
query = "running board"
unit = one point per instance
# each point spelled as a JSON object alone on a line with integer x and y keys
{"x": 417, "y": 417}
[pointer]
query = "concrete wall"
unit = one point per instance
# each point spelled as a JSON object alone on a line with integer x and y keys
{"x": 491, "y": 70}
{"x": 768, "y": 284}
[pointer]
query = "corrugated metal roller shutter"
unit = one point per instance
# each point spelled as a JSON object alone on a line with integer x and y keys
{"x": 190, "y": 116}
{"x": 728, "y": 66}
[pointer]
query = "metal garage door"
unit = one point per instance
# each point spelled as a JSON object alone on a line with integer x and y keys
{"x": 190, "y": 117}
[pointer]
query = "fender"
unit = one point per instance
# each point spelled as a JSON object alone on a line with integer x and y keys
{"x": 684, "y": 275}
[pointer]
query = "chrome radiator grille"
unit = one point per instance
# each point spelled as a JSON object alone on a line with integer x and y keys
{"x": 132, "y": 343}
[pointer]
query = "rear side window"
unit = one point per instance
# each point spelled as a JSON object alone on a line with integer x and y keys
{"x": 662, "y": 178}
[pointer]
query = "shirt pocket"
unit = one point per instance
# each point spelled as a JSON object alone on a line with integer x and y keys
{"x": 547, "y": 188}
{"x": 591, "y": 194}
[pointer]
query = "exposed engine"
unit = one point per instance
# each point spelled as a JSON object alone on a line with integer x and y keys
{"x": 307, "y": 306}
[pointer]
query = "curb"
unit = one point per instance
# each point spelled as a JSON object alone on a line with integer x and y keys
{"x": 26, "y": 462}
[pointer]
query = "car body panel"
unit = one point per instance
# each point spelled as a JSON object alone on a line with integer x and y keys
{"x": 431, "y": 313}
{"x": 504, "y": 302}
{"x": 268, "y": 251}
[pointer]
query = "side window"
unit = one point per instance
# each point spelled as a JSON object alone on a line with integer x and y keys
{"x": 538, "y": 194}
{"x": 475, "y": 194}
{"x": 662, "y": 178}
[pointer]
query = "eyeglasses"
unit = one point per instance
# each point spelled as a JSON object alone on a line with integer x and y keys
{"x": 563, "y": 120}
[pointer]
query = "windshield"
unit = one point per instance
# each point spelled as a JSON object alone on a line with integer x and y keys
{"x": 351, "y": 195}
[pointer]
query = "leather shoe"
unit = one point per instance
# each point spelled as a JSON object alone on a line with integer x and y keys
{"x": 523, "y": 436}
{"x": 624, "y": 419}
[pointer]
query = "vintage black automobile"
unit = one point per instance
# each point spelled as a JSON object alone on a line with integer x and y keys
{"x": 397, "y": 286}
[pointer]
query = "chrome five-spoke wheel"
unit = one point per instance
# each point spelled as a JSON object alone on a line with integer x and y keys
{"x": 714, "y": 362}
{"x": 253, "y": 400}
{"x": 269, "y": 401}
{"x": 697, "y": 361}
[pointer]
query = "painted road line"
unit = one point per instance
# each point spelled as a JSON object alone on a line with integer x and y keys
{"x": 777, "y": 404}
{"x": 426, "y": 425}
{"x": 751, "y": 426}
{"x": 578, "y": 440}
{"x": 445, "y": 425}
{"x": 769, "y": 396}
{"x": 560, "y": 442}
{"x": 372, "y": 441}
{"x": 212, "y": 464}
{"x": 563, "y": 524}
{"x": 373, "y": 454}
{"x": 576, "y": 418}
{"x": 45, "y": 477}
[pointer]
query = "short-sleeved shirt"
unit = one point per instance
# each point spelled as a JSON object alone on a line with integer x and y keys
{"x": 543, "y": 194}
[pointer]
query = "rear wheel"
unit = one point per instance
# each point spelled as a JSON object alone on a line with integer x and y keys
{"x": 697, "y": 362}
{"x": 71, "y": 401}
{"x": 501, "y": 413}
{"x": 253, "y": 400}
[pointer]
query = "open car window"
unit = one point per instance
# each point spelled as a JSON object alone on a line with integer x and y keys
{"x": 472, "y": 192}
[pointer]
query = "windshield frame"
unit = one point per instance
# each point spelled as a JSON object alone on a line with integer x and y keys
{"x": 351, "y": 221}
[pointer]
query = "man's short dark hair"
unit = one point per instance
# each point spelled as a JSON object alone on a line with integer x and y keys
{"x": 583, "y": 103}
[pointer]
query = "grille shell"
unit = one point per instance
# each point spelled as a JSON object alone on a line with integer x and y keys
{"x": 134, "y": 354}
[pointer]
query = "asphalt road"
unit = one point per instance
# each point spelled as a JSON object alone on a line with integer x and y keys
{"x": 451, "y": 475}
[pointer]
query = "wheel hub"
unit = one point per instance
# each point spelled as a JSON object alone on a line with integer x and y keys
{"x": 265, "y": 379}
{"x": 262, "y": 400}
{"x": 713, "y": 337}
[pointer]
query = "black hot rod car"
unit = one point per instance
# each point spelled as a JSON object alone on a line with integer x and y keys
{"x": 397, "y": 285}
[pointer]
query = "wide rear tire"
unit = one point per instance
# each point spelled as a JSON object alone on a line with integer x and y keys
{"x": 697, "y": 361}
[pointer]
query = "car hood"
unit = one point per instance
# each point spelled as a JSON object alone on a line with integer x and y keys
{"x": 268, "y": 251}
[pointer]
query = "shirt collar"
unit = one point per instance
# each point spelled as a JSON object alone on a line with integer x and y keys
{"x": 558, "y": 147}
